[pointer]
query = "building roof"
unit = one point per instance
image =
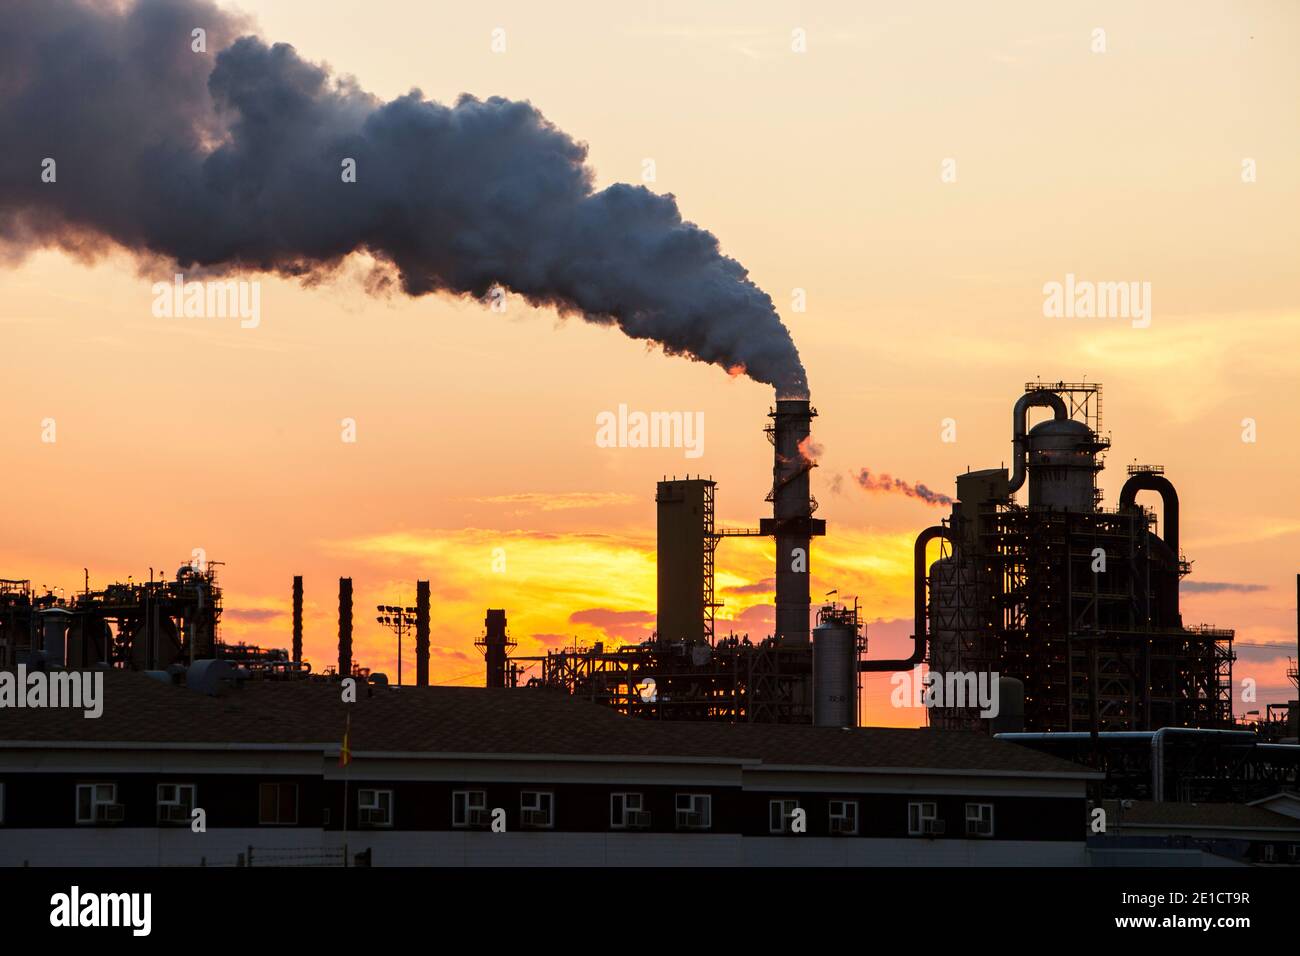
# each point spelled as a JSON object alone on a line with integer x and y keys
{"x": 1174, "y": 816}
{"x": 459, "y": 720}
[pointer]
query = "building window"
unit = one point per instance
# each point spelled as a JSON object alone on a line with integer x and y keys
{"x": 922, "y": 819}
{"x": 97, "y": 803}
{"x": 469, "y": 808}
{"x": 979, "y": 819}
{"x": 537, "y": 809}
{"x": 375, "y": 808}
{"x": 175, "y": 802}
{"x": 844, "y": 816}
{"x": 279, "y": 804}
{"x": 780, "y": 815}
{"x": 627, "y": 811}
{"x": 1268, "y": 853}
{"x": 2, "y": 810}
{"x": 694, "y": 811}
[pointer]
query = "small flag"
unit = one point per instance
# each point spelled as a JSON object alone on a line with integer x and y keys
{"x": 345, "y": 753}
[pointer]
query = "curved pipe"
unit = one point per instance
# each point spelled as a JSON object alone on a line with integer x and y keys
{"x": 918, "y": 585}
{"x": 1147, "y": 481}
{"x": 1020, "y": 425}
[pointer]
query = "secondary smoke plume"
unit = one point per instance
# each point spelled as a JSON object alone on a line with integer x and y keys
{"x": 232, "y": 160}
{"x": 885, "y": 484}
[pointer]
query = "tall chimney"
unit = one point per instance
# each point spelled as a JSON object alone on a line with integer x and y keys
{"x": 792, "y": 522}
{"x": 422, "y": 633}
{"x": 494, "y": 645}
{"x": 297, "y": 617}
{"x": 345, "y": 627}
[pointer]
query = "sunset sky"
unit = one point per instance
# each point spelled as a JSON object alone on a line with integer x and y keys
{"x": 819, "y": 171}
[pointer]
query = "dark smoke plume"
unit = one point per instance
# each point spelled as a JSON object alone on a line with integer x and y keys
{"x": 886, "y": 484}
{"x": 231, "y": 160}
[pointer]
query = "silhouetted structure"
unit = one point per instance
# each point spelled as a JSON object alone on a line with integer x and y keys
{"x": 684, "y": 671}
{"x": 345, "y": 626}
{"x": 422, "y": 633}
{"x": 496, "y": 646}
{"x": 297, "y": 617}
{"x": 143, "y": 626}
{"x": 1077, "y": 603}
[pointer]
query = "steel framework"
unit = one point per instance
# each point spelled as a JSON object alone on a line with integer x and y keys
{"x": 732, "y": 680}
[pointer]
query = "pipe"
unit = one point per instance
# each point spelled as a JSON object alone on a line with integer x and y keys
{"x": 1157, "y": 738}
{"x": 1020, "y": 428}
{"x": 1148, "y": 481}
{"x": 919, "y": 608}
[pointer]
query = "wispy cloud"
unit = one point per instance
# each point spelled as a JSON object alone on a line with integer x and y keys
{"x": 255, "y": 615}
{"x": 1219, "y": 587}
{"x": 765, "y": 586}
{"x": 557, "y": 501}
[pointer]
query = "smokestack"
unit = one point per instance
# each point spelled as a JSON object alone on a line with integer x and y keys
{"x": 297, "y": 617}
{"x": 792, "y": 522}
{"x": 494, "y": 645}
{"x": 345, "y": 627}
{"x": 421, "y": 633}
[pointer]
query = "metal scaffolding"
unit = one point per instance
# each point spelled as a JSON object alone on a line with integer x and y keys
{"x": 732, "y": 680}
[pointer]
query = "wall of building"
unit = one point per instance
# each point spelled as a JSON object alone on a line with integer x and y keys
{"x": 153, "y": 846}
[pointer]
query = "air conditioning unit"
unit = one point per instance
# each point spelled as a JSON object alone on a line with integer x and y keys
{"x": 842, "y": 825}
{"x": 638, "y": 818}
{"x": 535, "y": 818}
{"x": 934, "y": 827}
{"x": 175, "y": 813}
{"x": 690, "y": 819}
{"x": 110, "y": 813}
{"x": 479, "y": 817}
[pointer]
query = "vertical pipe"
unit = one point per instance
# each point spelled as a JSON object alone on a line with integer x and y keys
{"x": 345, "y": 627}
{"x": 422, "y": 633}
{"x": 919, "y": 616}
{"x": 297, "y": 617}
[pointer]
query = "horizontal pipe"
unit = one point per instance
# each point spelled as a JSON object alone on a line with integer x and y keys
{"x": 1157, "y": 738}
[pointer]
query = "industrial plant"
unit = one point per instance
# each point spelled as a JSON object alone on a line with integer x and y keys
{"x": 1068, "y": 607}
{"x": 1073, "y": 604}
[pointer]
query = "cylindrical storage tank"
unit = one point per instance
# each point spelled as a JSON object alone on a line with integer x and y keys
{"x": 1011, "y": 707}
{"x": 54, "y": 626}
{"x": 835, "y": 675}
{"x": 156, "y": 647}
{"x": 89, "y": 641}
{"x": 1062, "y": 466}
